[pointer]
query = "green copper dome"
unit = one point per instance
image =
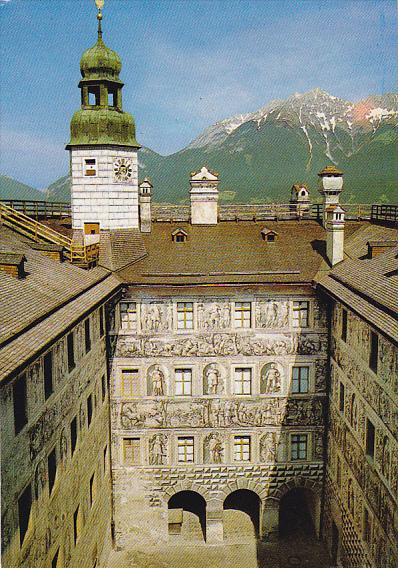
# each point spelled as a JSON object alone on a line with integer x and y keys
{"x": 102, "y": 126}
{"x": 100, "y": 62}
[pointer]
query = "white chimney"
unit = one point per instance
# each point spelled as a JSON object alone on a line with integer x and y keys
{"x": 145, "y": 195}
{"x": 331, "y": 187}
{"x": 334, "y": 234}
{"x": 204, "y": 197}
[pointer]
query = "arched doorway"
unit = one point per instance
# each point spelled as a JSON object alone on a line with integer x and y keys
{"x": 248, "y": 503}
{"x": 299, "y": 513}
{"x": 187, "y": 515}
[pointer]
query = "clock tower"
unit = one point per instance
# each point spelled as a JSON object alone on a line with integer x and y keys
{"x": 103, "y": 148}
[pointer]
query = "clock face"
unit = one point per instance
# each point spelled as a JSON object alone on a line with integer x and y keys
{"x": 122, "y": 169}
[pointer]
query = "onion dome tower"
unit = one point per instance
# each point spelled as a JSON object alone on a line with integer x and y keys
{"x": 103, "y": 148}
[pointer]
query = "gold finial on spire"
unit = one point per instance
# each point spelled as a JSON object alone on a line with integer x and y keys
{"x": 100, "y": 5}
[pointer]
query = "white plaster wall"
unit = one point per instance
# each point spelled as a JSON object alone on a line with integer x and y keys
{"x": 100, "y": 198}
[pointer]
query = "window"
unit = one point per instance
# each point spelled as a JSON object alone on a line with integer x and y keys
{"x": 20, "y": 403}
{"x": 93, "y": 489}
{"x": 77, "y": 524}
{"x": 344, "y": 325}
{"x": 338, "y": 472}
{"x": 103, "y": 387}
{"x": 87, "y": 335}
{"x": 112, "y": 97}
{"x": 73, "y": 434}
{"x": 130, "y": 382}
{"x": 105, "y": 458}
{"x": 71, "y": 352}
{"x": 242, "y": 448}
{"x": 101, "y": 321}
{"x": 52, "y": 469}
{"x": 131, "y": 451}
{"x": 341, "y": 397}
{"x": 180, "y": 238}
{"x": 24, "y": 508}
{"x": 183, "y": 381}
{"x": 370, "y": 438}
{"x": 367, "y": 526}
{"x": 300, "y": 379}
{"x": 299, "y": 447}
{"x": 184, "y": 315}
{"x": 300, "y": 314}
{"x": 94, "y": 96}
{"x": 90, "y": 167}
{"x": 185, "y": 450}
{"x": 243, "y": 381}
{"x": 243, "y": 314}
{"x": 374, "y": 351}
{"x": 54, "y": 561}
{"x": 89, "y": 409}
{"x": 128, "y": 315}
{"x": 48, "y": 375}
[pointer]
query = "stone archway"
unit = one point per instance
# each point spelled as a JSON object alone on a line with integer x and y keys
{"x": 247, "y": 505}
{"x": 187, "y": 512}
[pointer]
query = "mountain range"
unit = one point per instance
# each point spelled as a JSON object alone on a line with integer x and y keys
{"x": 260, "y": 155}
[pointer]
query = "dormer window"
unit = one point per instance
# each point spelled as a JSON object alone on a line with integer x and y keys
{"x": 269, "y": 235}
{"x": 90, "y": 167}
{"x": 179, "y": 236}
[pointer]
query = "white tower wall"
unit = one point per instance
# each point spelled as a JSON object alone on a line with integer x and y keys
{"x": 103, "y": 198}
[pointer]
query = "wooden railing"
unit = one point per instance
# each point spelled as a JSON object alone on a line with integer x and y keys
{"x": 85, "y": 256}
{"x": 385, "y": 214}
{"x": 39, "y": 209}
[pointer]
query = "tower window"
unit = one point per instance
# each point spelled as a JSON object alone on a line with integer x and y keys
{"x": 20, "y": 403}
{"x": 112, "y": 97}
{"x": 94, "y": 98}
{"x": 90, "y": 167}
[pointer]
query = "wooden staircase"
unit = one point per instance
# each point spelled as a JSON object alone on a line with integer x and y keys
{"x": 85, "y": 256}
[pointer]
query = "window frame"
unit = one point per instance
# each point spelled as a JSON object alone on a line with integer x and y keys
{"x": 183, "y": 372}
{"x": 124, "y": 379}
{"x": 298, "y": 308}
{"x": 299, "y": 380}
{"x": 70, "y": 347}
{"x": 242, "y": 381}
{"x": 131, "y": 320}
{"x": 344, "y": 325}
{"x": 133, "y": 443}
{"x": 370, "y": 439}
{"x": 341, "y": 397}
{"x": 296, "y": 440}
{"x": 74, "y": 434}
{"x": 242, "y": 448}
{"x": 20, "y": 402}
{"x": 92, "y": 167}
{"x": 241, "y": 310}
{"x": 48, "y": 374}
{"x": 186, "y": 323}
{"x": 373, "y": 351}
{"x": 87, "y": 335}
{"x": 187, "y": 445}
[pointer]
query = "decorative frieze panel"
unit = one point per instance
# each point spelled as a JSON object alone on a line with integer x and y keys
{"x": 214, "y": 315}
{"x": 222, "y": 344}
{"x": 272, "y": 314}
{"x": 220, "y": 413}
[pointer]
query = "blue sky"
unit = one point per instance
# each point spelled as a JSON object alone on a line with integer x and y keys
{"x": 186, "y": 64}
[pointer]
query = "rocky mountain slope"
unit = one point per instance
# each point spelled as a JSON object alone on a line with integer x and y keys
{"x": 260, "y": 155}
{"x": 13, "y": 189}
